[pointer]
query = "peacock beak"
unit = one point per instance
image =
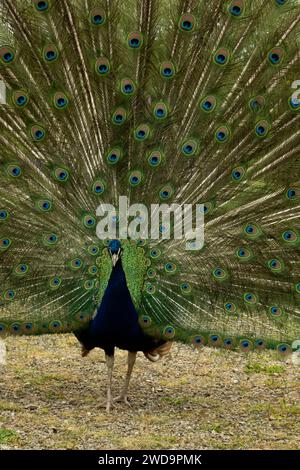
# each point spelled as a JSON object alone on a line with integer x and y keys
{"x": 115, "y": 257}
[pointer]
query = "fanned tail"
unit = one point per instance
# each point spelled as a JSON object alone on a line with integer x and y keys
{"x": 182, "y": 102}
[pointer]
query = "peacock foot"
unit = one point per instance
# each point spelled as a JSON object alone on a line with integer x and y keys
{"x": 108, "y": 405}
{"x": 122, "y": 399}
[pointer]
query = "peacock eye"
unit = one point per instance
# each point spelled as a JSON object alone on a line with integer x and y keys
{"x": 97, "y": 16}
{"x": 166, "y": 192}
{"x": 4, "y": 215}
{"x": 7, "y": 55}
{"x": 5, "y": 243}
{"x": 155, "y": 158}
{"x": 20, "y": 99}
{"x": 135, "y": 40}
{"x": 238, "y": 174}
{"x": 275, "y": 56}
{"x": 89, "y": 221}
{"x": 187, "y": 23}
{"x": 169, "y": 332}
{"x": 98, "y": 187}
{"x": 14, "y": 171}
{"x": 41, "y": 5}
{"x": 236, "y": 11}
{"x": 50, "y": 53}
{"x": 135, "y": 178}
{"x": 93, "y": 250}
{"x": 97, "y": 19}
{"x": 38, "y": 133}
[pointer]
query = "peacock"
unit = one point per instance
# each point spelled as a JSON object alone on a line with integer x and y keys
{"x": 167, "y": 103}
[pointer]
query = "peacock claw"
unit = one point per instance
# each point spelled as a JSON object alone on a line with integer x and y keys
{"x": 123, "y": 399}
{"x": 107, "y": 405}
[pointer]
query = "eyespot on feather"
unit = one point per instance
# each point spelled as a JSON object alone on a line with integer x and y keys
{"x": 7, "y": 55}
{"x": 21, "y": 269}
{"x": 135, "y": 40}
{"x": 222, "y": 134}
{"x": 155, "y": 158}
{"x": 9, "y": 295}
{"x": 98, "y": 187}
{"x": 187, "y": 23}
{"x": 44, "y": 205}
{"x": 13, "y": 170}
{"x": 222, "y": 57}
{"x": 230, "y": 307}
{"x": 127, "y": 87}
{"x": 237, "y": 8}
{"x": 244, "y": 254}
{"x": 167, "y": 70}
{"x": 293, "y": 193}
{"x": 135, "y": 178}
{"x": 257, "y": 103}
{"x": 114, "y": 155}
{"x": 119, "y": 116}
{"x": 252, "y": 231}
{"x": 5, "y": 244}
{"x": 294, "y": 103}
{"x": 220, "y": 274}
{"x": 208, "y": 104}
{"x": 142, "y": 132}
{"x": 4, "y": 215}
{"x": 276, "y": 56}
{"x": 42, "y": 5}
{"x": 97, "y": 17}
{"x": 20, "y": 99}
{"x": 38, "y": 133}
{"x": 238, "y": 174}
{"x": 50, "y": 53}
{"x": 166, "y": 192}
{"x": 145, "y": 321}
{"x": 262, "y": 128}
{"x": 276, "y": 265}
{"x": 55, "y": 282}
{"x": 60, "y": 174}
{"x": 89, "y": 221}
{"x": 190, "y": 148}
{"x": 102, "y": 66}
{"x": 250, "y": 298}
{"x": 50, "y": 239}
{"x": 160, "y": 111}
{"x": 60, "y": 101}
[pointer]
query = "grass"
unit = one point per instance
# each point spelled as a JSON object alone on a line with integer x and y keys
{"x": 8, "y": 436}
{"x": 51, "y": 398}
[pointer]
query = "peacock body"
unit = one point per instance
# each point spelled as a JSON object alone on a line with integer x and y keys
{"x": 170, "y": 102}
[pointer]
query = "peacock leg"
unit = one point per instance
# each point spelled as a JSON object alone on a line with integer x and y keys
{"x": 110, "y": 365}
{"x": 131, "y": 361}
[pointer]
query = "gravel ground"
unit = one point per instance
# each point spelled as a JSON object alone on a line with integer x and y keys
{"x": 51, "y": 398}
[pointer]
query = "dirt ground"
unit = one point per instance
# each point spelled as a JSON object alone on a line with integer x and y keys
{"x": 51, "y": 398}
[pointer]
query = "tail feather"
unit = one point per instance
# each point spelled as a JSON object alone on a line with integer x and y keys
{"x": 182, "y": 102}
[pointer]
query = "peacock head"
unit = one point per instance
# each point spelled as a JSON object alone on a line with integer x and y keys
{"x": 114, "y": 248}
